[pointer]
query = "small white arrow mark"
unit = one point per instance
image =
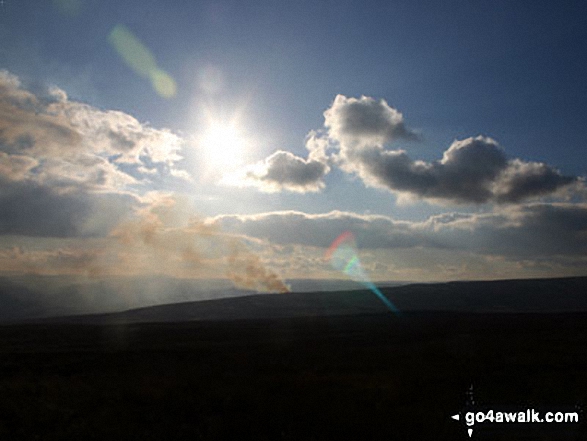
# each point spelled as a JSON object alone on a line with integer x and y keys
{"x": 470, "y": 432}
{"x": 455, "y": 417}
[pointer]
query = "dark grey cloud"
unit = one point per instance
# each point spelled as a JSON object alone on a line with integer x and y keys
{"x": 354, "y": 123}
{"x": 516, "y": 231}
{"x": 522, "y": 180}
{"x": 365, "y": 121}
{"x": 294, "y": 227}
{"x": 30, "y": 209}
{"x": 473, "y": 170}
{"x": 286, "y": 171}
{"x": 529, "y": 231}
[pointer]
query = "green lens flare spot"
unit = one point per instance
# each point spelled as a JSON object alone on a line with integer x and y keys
{"x": 343, "y": 256}
{"x": 140, "y": 59}
{"x": 132, "y": 51}
{"x": 351, "y": 264}
{"x": 163, "y": 83}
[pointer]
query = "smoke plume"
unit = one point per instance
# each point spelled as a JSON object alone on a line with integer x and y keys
{"x": 161, "y": 242}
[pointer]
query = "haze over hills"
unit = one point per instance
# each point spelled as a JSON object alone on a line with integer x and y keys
{"x": 503, "y": 296}
{"x": 32, "y": 296}
{"x": 45, "y": 296}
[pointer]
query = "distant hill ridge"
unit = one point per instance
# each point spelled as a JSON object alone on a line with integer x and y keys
{"x": 501, "y": 296}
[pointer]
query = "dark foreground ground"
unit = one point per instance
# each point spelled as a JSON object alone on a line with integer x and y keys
{"x": 373, "y": 377}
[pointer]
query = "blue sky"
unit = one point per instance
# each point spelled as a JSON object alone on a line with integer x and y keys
{"x": 511, "y": 70}
{"x": 264, "y": 74}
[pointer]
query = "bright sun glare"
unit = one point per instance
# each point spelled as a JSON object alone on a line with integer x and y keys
{"x": 223, "y": 146}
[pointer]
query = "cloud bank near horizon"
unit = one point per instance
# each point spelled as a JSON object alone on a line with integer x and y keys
{"x": 513, "y": 231}
{"x": 511, "y": 242}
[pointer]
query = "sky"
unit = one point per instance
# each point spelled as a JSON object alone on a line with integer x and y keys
{"x": 239, "y": 140}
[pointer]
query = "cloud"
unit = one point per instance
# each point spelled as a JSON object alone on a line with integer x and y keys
{"x": 530, "y": 230}
{"x": 74, "y": 142}
{"x": 358, "y": 122}
{"x": 285, "y": 171}
{"x": 473, "y": 170}
{"x": 513, "y": 231}
{"x": 116, "y": 133}
{"x": 523, "y": 180}
{"x": 294, "y": 227}
{"x": 25, "y": 123}
{"x": 68, "y": 169}
{"x": 30, "y": 209}
{"x": 16, "y": 167}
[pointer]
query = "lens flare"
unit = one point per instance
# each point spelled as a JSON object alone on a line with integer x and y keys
{"x": 140, "y": 59}
{"x": 68, "y": 7}
{"x": 163, "y": 83}
{"x": 343, "y": 257}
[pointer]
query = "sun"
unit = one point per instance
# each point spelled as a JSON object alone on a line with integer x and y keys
{"x": 223, "y": 147}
